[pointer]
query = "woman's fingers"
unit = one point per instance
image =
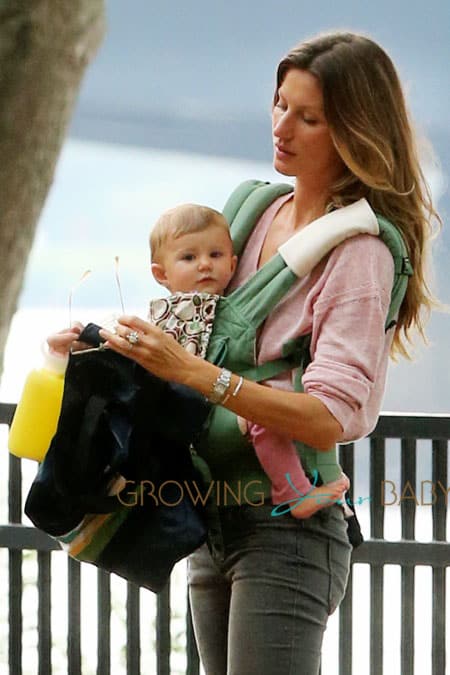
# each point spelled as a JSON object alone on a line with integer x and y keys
{"x": 130, "y": 331}
{"x": 123, "y": 339}
{"x": 77, "y": 327}
{"x": 62, "y": 341}
{"x": 114, "y": 340}
{"x": 148, "y": 345}
{"x": 135, "y": 323}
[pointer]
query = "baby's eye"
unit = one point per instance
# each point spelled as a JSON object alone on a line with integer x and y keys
{"x": 188, "y": 257}
{"x": 216, "y": 254}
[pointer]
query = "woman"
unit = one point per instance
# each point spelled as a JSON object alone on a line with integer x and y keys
{"x": 340, "y": 128}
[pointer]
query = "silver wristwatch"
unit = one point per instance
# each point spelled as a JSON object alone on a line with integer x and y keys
{"x": 220, "y": 386}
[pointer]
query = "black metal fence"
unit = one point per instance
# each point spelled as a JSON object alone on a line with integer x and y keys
{"x": 376, "y": 552}
{"x": 407, "y": 553}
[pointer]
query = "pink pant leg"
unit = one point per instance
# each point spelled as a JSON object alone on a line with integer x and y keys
{"x": 277, "y": 456}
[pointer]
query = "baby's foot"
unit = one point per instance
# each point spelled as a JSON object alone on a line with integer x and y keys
{"x": 321, "y": 497}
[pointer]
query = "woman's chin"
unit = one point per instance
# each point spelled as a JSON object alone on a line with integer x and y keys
{"x": 281, "y": 168}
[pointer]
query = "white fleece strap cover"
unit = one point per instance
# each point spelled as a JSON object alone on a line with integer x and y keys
{"x": 308, "y": 246}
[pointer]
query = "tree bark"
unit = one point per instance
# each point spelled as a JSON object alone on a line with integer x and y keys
{"x": 45, "y": 47}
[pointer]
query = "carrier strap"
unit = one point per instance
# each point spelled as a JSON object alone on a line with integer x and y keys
{"x": 305, "y": 249}
{"x": 246, "y": 205}
{"x": 293, "y": 355}
{"x": 255, "y": 299}
{"x": 393, "y": 239}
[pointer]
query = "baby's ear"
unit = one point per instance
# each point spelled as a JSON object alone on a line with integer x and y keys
{"x": 234, "y": 261}
{"x": 159, "y": 274}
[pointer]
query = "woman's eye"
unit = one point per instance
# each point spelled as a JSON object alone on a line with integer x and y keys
{"x": 310, "y": 121}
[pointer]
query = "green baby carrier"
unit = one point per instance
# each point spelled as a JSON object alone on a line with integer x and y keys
{"x": 227, "y": 452}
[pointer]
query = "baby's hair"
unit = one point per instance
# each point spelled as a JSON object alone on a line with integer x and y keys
{"x": 183, "y": 219}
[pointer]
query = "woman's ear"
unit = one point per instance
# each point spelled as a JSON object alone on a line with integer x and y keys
{"x": 159, "y": 274}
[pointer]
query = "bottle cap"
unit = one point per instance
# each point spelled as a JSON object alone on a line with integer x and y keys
{"x": 56, "y": 363}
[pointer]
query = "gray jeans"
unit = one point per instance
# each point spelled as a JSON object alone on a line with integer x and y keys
{"x": 260, "y": 601}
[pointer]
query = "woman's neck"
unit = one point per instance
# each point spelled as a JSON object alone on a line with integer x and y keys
{"x": 309, "y": 203}
{"x": 310, "y": 200}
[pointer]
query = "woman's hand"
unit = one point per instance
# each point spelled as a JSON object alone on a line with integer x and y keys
{"x": 149, "y": 346}
{"x": 61, "y": 342}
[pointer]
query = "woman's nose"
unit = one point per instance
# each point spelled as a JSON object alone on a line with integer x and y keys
{"x": 282, "y": 127}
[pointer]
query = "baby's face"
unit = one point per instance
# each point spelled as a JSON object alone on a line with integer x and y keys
{"x": 199, "y": 261}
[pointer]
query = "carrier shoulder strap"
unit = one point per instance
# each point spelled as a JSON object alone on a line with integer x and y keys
{"x": 250, "y": 199}
{"x": 246, "y": 205}
{"x": 393, "y": 239}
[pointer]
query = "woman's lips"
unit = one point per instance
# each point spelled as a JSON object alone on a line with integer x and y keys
{"x": 282, "y": 152}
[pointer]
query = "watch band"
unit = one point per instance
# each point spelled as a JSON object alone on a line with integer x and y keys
{"x": 220, "y": 386}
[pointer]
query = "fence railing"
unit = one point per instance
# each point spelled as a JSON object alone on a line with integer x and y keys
{"x": 416, "y": 434}
{"x": 408, "y": 553}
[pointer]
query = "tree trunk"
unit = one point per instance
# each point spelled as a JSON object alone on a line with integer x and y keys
{"x": 45, "y": 47}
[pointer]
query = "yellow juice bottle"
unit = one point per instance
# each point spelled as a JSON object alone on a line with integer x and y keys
{"x": 37, "y": 413}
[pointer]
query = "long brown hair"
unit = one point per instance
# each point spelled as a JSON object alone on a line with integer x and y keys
{"x": 366, "y": 113}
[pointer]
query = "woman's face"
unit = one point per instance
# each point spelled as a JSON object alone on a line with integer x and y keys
{"x": 302, "y": 143}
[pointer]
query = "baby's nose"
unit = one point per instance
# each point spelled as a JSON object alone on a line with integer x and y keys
{"x": 204, "y": 262}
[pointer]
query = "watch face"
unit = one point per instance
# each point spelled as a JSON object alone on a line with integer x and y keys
{"x": 220, "y": 386}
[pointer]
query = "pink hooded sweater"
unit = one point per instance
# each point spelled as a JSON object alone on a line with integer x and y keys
{"x": 343, "y": 303}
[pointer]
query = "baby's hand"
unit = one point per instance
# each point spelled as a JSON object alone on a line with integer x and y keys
{"x": 61, "y": 342}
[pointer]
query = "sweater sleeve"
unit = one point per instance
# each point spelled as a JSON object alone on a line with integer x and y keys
{"x": 349, "y": 347}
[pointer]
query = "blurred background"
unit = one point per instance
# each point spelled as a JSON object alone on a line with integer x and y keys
{"x": 176, "y": 107}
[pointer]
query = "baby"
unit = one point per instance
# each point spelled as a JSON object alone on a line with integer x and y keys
{"x": 191, "y": 250}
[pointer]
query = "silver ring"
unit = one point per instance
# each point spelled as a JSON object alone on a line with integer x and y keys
{"x": 133, "y": 337}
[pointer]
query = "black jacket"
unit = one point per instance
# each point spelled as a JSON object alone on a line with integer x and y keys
{"x": 116, "y": 418}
